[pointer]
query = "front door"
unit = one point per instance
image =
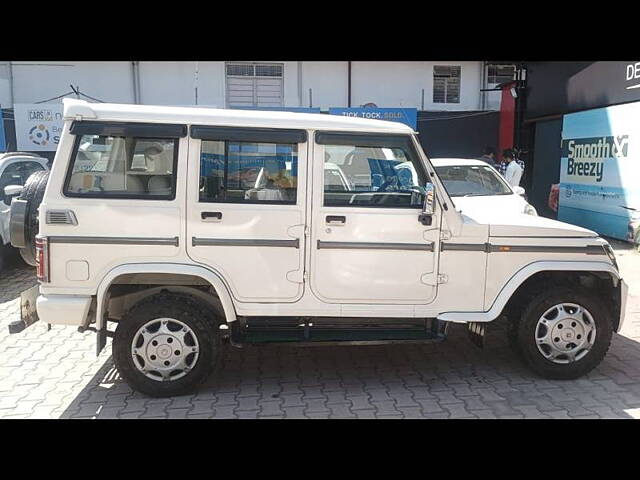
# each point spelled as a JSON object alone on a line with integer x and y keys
{"x": 367, "y": 244}
{"x": 246, "y": 209}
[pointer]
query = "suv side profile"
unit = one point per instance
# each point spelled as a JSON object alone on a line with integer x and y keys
{"x": 185, "y": 228}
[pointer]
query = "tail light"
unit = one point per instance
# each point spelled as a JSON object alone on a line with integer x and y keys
{"x": 42, "y": 258}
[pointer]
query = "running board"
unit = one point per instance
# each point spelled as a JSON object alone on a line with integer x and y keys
{"x": 308, "y": 331}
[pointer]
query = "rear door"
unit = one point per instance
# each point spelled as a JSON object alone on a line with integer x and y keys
{"x": 367, "y": 244}
{"x": 246, "y": 209}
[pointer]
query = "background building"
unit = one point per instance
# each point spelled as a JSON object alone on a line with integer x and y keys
{"x": 456, "y": 115}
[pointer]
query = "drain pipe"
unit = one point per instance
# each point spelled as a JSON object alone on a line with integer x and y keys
{"x": 300, "y": 84}
{"x": 349, "y": 84}
{"x": 135, "y": 71}
{"x": 10, "y": 71}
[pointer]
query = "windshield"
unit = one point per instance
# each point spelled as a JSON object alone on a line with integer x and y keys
{"x": 472, "y": 180}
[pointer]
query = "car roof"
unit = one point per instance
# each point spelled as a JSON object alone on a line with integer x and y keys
{"x": 447, "y": 162}
{"x": 22, "y": 155}
{"x": 75, "y": 109}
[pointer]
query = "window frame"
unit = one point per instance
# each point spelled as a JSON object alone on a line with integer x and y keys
{"x": 273, "y": 136}
{"x": 132, "y": 130}
{"x": 402, "y": 141}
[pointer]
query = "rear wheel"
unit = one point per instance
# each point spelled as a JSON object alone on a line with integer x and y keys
{"x": 166, "y": 345}
{"x": 564, "y": 333}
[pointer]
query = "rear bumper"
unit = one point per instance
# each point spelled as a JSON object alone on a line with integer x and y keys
{"x": 64, "y": 309}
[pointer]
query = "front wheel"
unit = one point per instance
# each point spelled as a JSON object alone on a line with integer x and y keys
{"x": 165, "y": 345}
{"x": 564, "y": 333}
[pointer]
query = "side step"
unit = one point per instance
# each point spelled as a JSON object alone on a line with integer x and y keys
{"x": 254, "y": 330}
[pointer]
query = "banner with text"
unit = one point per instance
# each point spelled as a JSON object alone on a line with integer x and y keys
{"x": 408, "y": 116}
{"x": 38, "y": 126}
{"x": 600, "y": 169}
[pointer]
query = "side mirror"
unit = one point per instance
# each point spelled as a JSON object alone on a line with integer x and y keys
{"x": 428, "y": 208}
{"x": 519, "y": 191}
{"x": 11, "y": 191}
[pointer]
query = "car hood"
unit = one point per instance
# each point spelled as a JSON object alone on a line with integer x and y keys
{"x": 522, "y": 225}
{"x": 489, "y": 207}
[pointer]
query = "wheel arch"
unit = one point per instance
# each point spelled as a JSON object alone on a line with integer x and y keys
{"x": 514, "y": 289}
{"x": 170, "y": 270}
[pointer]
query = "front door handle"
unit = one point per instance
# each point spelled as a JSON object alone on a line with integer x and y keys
{"x": 336, "y": 219}
{"x": 211, "y": 215}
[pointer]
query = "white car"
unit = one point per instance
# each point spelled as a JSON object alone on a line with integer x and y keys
{"x": 15, "y": 169}
{"x": 166, "y": 240}
{"x": 478, "y": 189}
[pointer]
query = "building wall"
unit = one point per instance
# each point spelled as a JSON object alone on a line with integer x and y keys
{"x": 400, "y": 84}
{"x": 328, "y": 82}
{"x": 107, "y": 81}
{"x": 387, "y": 84}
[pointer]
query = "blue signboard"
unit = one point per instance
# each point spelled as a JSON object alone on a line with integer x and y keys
{"x": 408, "y": 116}
{"x": 600, "y": 169}
{"x": 3, "y": 142}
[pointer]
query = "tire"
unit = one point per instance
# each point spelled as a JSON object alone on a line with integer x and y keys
{"x": 33, "y": 193}
{"x": 183, "y": 310}
{"x": 588, "y": 354}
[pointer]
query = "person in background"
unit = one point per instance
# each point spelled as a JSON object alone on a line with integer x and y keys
{"x": 513, "y": 171}
{"x": 489, "y": 156}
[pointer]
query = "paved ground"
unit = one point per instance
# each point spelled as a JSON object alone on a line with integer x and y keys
{"x": 55, "y": 374}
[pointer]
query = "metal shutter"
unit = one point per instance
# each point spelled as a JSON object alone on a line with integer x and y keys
{"x": 254, "y": 85}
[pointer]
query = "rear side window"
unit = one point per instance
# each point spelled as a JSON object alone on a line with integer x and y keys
{"x": 105, "y": 166}
{"x": 248, "y": 172}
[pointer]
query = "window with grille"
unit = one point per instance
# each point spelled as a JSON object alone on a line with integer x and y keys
{"x": 446, "y": 84}
{"x": 500, "y": 73}
{"x": 255, "y": 84}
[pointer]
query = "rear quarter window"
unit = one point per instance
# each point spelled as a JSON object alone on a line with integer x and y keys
{"x": 105, "y": 166}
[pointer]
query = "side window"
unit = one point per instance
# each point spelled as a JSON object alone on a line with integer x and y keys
{"x": 356, "y": 176}
{"x": 123, "y": 167}
{"x": 248, "y": 172}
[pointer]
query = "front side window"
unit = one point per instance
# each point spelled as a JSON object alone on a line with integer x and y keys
{"x": 472, "y": 181}
{"x": 248, "y": 172}
{"x": 123, "y": 167}
{"x": 356, "y": 176}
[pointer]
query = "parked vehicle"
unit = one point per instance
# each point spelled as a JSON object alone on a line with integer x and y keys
{"x": 193, "y": 227}
{"x": 478, "y": 189}
{"x": 15, "y": 169}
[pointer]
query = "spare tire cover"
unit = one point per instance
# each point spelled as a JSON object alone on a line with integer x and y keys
{"x": 32, "y": 193}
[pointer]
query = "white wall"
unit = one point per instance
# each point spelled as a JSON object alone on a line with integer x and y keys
{"x": 328, "y": 82}
{"x": 400, "y": 84}
{"x": 387, "y": 84}
{"x": 41, "y": 80}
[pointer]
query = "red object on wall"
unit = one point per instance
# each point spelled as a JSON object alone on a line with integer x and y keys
{"x": 507, "y": 118}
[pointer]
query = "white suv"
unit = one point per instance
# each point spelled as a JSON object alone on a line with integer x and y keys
{"x": 154, "y": 222}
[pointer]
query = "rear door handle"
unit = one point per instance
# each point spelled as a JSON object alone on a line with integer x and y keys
{"x": 336, "y": 219}
{"x": 212, "y": 216}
